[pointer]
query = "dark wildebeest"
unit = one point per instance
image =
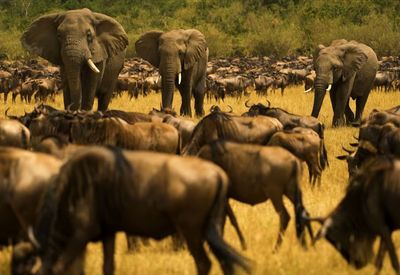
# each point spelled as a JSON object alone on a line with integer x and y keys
{"x": 100, "y": 191}
{"x": 287, "y": 119}
{"x": 273, "y": 173}
{"x": 305, "y": 144}
{"x": 221, "y": 125}
{"x": 24, "y": 178}
{"x": 370, "y": 209}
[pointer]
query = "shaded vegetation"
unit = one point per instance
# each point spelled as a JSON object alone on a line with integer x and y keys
{"x": 232, "y": 27}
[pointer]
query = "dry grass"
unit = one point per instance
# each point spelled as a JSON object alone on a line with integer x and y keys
{"x": 259, "y": 223}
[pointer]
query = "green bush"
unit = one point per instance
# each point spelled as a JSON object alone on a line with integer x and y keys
{"x": 232, "y": 27}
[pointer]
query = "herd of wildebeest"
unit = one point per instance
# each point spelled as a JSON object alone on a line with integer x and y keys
{"x": 81, "y": 176}
{"x": 235, "y": 77}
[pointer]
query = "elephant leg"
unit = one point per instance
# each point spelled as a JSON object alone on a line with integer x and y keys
{"x": 360, "y": 104}
{"x": 348, "y": 113}
{"x": 342, "y": 94}
{"x": 333, "y": 98}
{"x": 199, "y": 93}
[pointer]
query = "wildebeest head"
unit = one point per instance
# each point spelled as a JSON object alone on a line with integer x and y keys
{"x": 257, "y": 109}
{"x": 355, "y": 247}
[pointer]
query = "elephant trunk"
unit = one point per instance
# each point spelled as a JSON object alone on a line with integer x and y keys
{"x": 320, "y": 86}
{"x": 168, "y": 86}
{"x": 73, "y": 74}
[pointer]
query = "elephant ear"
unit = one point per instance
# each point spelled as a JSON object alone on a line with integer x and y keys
{"x": 41, "y": 38}
{"x": 196, "y": 48}
{"x": 353, "y": 59}
{"x": 147, "y": 47}
{"x": 111, "y": 36}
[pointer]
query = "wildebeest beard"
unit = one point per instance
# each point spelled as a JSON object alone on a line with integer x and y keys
{"x": 87, "y": 185}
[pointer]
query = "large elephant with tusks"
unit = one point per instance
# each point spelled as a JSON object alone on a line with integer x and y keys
{"x": 181, "y": 56}
{"x": 90, "y": 49}
{"x": 347, "y": 69}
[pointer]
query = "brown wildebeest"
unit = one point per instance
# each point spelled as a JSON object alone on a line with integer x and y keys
{"x": 370, "y": 209}
{"x": 24, "y": 178}
{"x": 100, "y": 191}
{"x": 305, "y": 144}
{"x": 273, "y": 173}
{"x": 221, "y": 125}
{"x": 288, "y": 120}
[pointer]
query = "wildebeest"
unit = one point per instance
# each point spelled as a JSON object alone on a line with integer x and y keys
{"x": 221, "y": 125}
{"x": 305, "y": 144}
{"x": 370, "y": 209}
{"x": 100, "y": 191}
{"x": 24, "y": 175}
{"x": 14, "y": 133}
{"x": 102, "y": 129}
{"x": 287, "y": 119}
{"x": 273, "y": 173}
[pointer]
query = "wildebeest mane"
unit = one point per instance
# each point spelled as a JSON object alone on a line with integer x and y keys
{"x": 92, "y": 177}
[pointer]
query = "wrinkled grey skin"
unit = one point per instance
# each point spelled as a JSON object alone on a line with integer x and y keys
{"x": 350, "y": 67}
{"x": 175, "y": 52}
{"x": 69, "y": 39}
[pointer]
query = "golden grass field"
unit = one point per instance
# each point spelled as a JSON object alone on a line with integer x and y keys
{"x": 259, "y": 223}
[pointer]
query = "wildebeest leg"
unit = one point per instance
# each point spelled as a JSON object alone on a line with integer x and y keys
{"x": 108, "y": 254}
{"x": 194, "y": 240}
{"x": 387, "y": 238}
{"x": 284, "y": 218}
{"x": 380, "y": 256}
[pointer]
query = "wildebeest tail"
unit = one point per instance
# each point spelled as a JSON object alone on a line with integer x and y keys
{"x": 225, "y": 254}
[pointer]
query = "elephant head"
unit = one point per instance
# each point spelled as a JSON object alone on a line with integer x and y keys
{"x": 76, "y": 40}
{"x": 334, "y": 65}
{"x": 173, "y": 53}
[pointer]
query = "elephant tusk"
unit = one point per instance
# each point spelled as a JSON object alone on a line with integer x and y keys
{"x": 92, "y": 66}
{"x": 329, "y": 88}
{"x": 307, "y": 91}
{"x": 179, "y": 78}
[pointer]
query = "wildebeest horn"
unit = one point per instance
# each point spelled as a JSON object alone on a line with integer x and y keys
{"x": 269, "y": 103}
{"x": 322, "y": 232}
{"x": 313, "y": 219}
{"x": 354, "y": 144}
{"x": 347, "y": 150}
{"x": 246, "y": 103}
{"x": 69, "y": 107}
{"x": 230, "y": 107}
{"x": 6, "y": 112}
{"x": 32, "y": 237}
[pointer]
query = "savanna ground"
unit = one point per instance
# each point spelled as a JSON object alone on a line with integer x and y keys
{"x": 259, "y": 223}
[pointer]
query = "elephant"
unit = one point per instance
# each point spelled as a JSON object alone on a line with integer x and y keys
{"x": 181, "y": 56}
{"x": 345, "y": 69}
{"x": 90, "y": 49}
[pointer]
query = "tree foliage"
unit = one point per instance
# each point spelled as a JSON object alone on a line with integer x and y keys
{"x": 232, "y": 27}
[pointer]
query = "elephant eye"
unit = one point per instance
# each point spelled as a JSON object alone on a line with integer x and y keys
{"x": 89, "y": 36}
